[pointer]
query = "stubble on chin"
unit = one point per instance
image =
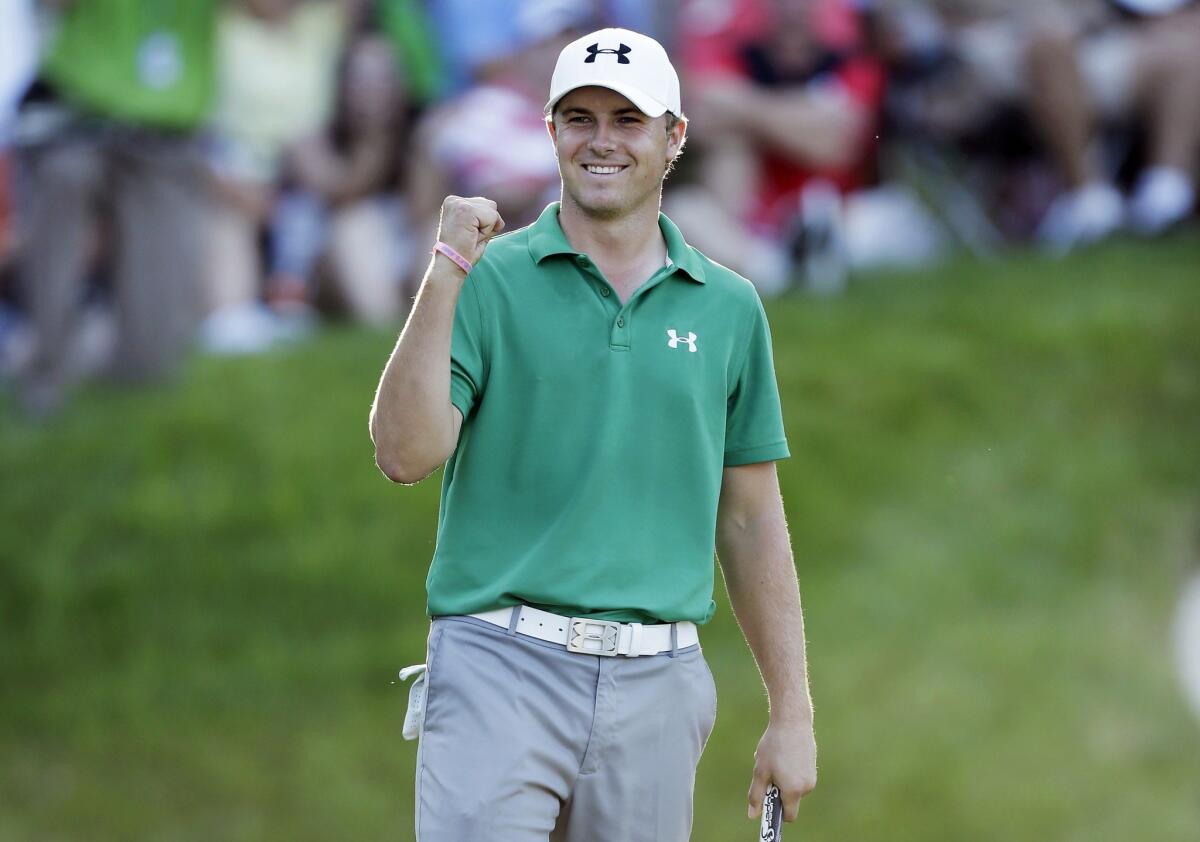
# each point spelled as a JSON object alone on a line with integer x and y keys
{"x": 607, "y": 207}
{"x": 601, "y": 211}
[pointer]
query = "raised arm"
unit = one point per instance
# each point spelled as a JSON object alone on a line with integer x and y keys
{"x": 755, "y": 553}
{"x": 413, "y": 424}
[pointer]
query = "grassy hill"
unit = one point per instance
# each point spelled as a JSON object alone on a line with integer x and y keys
{"x": 206, "y": 591}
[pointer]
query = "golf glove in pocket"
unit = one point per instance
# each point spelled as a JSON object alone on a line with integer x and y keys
{"x": 416, "y": 701}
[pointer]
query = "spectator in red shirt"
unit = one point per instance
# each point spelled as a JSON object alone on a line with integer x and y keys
{"x": 786, "y": 94}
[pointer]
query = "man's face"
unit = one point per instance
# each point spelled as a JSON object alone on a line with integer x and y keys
{"x": 611, "y": 156}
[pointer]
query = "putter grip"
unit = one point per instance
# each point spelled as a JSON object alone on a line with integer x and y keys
{"x": 771, "y": 829}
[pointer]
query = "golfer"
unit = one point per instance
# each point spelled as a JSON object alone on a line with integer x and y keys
{"x": 606, "y": 398}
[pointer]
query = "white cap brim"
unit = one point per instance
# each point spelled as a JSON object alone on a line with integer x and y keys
{"x": 648, "y": 105}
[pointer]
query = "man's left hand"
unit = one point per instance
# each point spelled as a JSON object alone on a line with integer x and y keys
{"x": 786, "y": 756}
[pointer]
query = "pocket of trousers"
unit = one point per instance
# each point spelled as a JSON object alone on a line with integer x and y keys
{"x": 712, "y": 687}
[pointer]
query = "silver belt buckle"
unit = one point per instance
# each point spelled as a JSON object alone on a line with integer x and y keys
{"x": 593, "y": 637}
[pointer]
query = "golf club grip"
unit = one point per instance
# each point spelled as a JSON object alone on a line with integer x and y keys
{"x": 771, "y": 828}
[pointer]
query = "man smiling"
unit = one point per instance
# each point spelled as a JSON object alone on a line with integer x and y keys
{"x": 606, "y": 400}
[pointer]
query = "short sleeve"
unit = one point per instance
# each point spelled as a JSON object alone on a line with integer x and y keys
{"x": 754, "y": 419}
{"x": 468, "y": 363}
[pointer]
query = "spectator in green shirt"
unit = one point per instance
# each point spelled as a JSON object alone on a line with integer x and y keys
{"x": 110, "y": 128}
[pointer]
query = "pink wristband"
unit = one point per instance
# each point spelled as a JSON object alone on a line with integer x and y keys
{"x": 462, "y": 262}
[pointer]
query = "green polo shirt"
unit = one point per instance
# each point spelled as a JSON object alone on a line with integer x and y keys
{"x": 589, "y": 464}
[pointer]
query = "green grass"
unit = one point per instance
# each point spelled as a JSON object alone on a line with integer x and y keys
{"x": 206, "y": 591}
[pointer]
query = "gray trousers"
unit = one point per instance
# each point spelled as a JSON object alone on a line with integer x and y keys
{"x": 147, "y": 186}
{"x": 524, "y": 741}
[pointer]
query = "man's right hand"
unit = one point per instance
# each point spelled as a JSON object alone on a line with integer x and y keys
{"x": 466, "y": 225}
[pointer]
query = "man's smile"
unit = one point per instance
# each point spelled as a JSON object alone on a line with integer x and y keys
{"x": 604, "y": 169}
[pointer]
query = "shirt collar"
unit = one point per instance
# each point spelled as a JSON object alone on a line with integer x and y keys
{"x": 546, "y": 237}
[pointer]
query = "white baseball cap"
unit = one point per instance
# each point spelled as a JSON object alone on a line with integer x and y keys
{"x": 634, "y": 65}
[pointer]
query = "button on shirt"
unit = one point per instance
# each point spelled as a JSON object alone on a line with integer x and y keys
{"x": 589, "y": 464}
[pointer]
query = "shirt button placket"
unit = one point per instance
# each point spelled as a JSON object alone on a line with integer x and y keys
{"x": 620, "y": 333}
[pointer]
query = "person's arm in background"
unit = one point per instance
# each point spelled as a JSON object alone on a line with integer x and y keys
{"x": 413, "y": 424}
{"x": 818, "y": 129}
{"x": 755, "y": 554}
{"x": 339, "y": 179}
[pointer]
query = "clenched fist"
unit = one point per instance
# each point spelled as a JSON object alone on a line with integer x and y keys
{"x": 466, "y": 225}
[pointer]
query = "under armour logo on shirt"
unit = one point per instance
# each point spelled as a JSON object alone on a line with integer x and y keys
{"x": 675, "y": 339}
{"x": 595, "y": 50}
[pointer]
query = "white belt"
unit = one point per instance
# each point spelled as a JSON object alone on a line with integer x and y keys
{"x": 594, "y": 637}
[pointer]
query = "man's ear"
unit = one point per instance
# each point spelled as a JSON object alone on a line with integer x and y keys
{"x": 675, "y": 140}
{"x": 553, "y": 131}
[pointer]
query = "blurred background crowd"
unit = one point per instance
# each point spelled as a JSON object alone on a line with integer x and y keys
{"x": 223, "y": 174}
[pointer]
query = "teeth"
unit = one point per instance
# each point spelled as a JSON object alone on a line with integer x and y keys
{"x": 603, "y": 170}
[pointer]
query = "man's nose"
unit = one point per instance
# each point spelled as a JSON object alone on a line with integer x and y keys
{"x": 602, "y": 141}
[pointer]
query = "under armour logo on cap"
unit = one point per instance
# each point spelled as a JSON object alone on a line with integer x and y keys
{"x": 594, "y": 50}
